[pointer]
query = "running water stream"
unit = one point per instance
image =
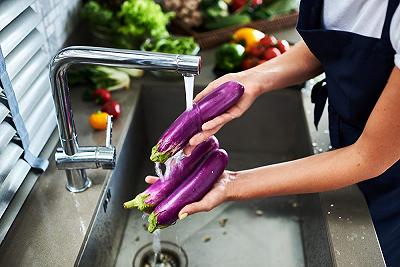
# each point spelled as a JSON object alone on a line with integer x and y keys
{"x": 156, "y": 247}
{"x": 189, "y": 86}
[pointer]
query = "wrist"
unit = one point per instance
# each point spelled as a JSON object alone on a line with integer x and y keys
{"x": 231, "y": 189}
{"x": 261, "y": 81}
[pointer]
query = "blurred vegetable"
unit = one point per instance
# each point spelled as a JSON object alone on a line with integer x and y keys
{"x": 248, "y": 37}
{"x": 175, "y": 45}
{"x": 101, "y": 96}
{"x": 112, "y": 108}
{"x": 268, "y": 40}
{"x": 283, "y": 46}
{"x": 96, "y": 14}
{"x": 274, "y": 8}
{"x": 250, "y": 62}
{"x": 98, "y": 77}
{"x": 238, "y": 4}
{"x": 187, "y": 11}
{"x": 271, "y": 53}
{"x": 98, "y": 120}
{"x": 231, "y": 20}
{"x": 229, "y": 57}
{"x": 216, "y": 10}
{"x": 257, "y": 50}
{"x": 129, "y": 24}
{"x": 132, "y": 72}
{"x": 143, "y": 19}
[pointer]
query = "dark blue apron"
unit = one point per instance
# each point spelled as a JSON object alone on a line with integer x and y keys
{"x": 357, "y": 69}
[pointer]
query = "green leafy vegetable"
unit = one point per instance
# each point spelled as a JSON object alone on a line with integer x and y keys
{"x": 175, "y": 45}
{"x": 143, "y": 19}
{"x": 98, "y": 77}
{"x": 126, "y": 24}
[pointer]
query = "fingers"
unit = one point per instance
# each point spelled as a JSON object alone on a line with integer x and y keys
{"x": 218, "y": 121}
{"x": 202, "y": 136}
{"x": 211, "y": 86}
{"x": 151, "y": 179}
{"x": 194, "y": 208}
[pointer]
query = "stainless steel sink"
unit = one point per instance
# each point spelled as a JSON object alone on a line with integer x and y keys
{"x": 280, "y": 231}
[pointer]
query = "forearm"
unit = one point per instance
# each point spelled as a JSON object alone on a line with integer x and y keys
{"x": 375, "y": 151}
{"x": 293, "y": 67}
{"x": 322, "y": 172}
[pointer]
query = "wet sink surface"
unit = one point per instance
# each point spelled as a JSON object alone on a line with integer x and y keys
{"x": 281, "y": 231}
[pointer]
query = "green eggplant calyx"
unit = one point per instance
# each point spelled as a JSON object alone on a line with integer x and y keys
{"x": 139, "y": 203}
{"x": 159, "y": 156}
{"x": 152, "y": 222}
{"x": 153, "y": 225}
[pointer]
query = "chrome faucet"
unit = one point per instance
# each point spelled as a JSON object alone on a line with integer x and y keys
{"x": 71, "y": 157}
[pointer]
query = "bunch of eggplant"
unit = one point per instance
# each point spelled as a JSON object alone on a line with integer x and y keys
{"x": 190, "y": 178}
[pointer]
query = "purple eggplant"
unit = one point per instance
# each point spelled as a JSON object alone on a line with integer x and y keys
{"x": 161, "y": 189}
{"x": 189, "y": 122}
{"x": 193, "y": 189}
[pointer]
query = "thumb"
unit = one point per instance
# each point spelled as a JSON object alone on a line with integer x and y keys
{"x": 193, "y": 208}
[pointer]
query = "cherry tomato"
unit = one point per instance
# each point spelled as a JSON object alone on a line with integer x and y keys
{"x": 283, "y": 46}
{"x": 112, "y": 108}
{"x": 257, "y": 50}
{"x": 249, "y": 62}
{"x": 269, "y": 41}
{"x": 261, "y": 61}
{"x": 98, "y": 120}
{"x": 102, "y": 96}
{"x": 271, "y": 53}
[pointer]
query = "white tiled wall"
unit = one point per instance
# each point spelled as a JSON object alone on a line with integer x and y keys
{"x": 58, "y": 20}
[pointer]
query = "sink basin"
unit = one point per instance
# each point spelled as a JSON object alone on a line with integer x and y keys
{"x": 279, "y": 231}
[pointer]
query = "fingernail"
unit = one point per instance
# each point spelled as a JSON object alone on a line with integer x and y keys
{"x": 183, "y": 216}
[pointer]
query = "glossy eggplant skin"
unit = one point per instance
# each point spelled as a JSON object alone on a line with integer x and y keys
{"x": 178, "y": 172}
{"x": 189, "y": 122}
{"x": 193, "y": 189}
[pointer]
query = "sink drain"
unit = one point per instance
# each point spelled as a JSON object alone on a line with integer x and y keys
{"x": 170, "y": 256}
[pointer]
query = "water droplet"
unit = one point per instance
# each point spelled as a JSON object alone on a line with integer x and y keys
{"x": 329, "y": 212}
{"x": 332, "y": 205}
{"x": 314, "y": 144}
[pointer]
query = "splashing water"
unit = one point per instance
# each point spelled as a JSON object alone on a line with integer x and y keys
{"x": 157, "y": 168}
{"x": 189, "y": 85}
{"x": 156, "y": 246}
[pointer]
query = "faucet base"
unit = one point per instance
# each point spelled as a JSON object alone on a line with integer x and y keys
{"x": 78, "y": 190}
{"x": 77, "y": 181}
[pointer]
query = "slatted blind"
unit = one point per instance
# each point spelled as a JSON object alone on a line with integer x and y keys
{"x": 27, "y": 66}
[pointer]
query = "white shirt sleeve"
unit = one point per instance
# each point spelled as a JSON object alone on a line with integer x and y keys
{"x": 395, "y": 35}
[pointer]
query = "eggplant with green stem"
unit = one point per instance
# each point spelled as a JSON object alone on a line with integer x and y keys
{"x": 193, "y": 189}
{"x": 189, "y": 122}
{"x": 162, "y": 188}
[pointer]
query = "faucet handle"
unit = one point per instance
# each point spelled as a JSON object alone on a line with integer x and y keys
{"x": 109, "y": 131}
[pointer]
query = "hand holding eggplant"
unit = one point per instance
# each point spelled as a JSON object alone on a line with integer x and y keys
{"x": 210, "y": 127}
{"x": 176, "y": 137}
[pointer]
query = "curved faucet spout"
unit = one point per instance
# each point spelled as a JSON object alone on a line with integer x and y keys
{"x": 184, "y": 64}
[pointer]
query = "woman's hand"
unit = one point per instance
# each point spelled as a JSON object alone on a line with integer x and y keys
{"x": 252, "y": 91}
{"x": 220, "y": 193}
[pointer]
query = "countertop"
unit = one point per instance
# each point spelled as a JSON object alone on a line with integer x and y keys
{"x": 51, "y": 226}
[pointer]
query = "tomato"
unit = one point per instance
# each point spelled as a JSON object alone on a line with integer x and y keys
{"x": 283, "y": 46}
{"x": 271, "y": 53}
{"x": 261, "y": 61}
{"x": 249, "y": 62}
{"x": 98, "y": 120}
{"x": 102, "y": 96}
{"x": 269, "y": 41}
{"x": 238, "y": 4}
{"x": 112, "y": 108}
{"x": 257, "y": 50}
